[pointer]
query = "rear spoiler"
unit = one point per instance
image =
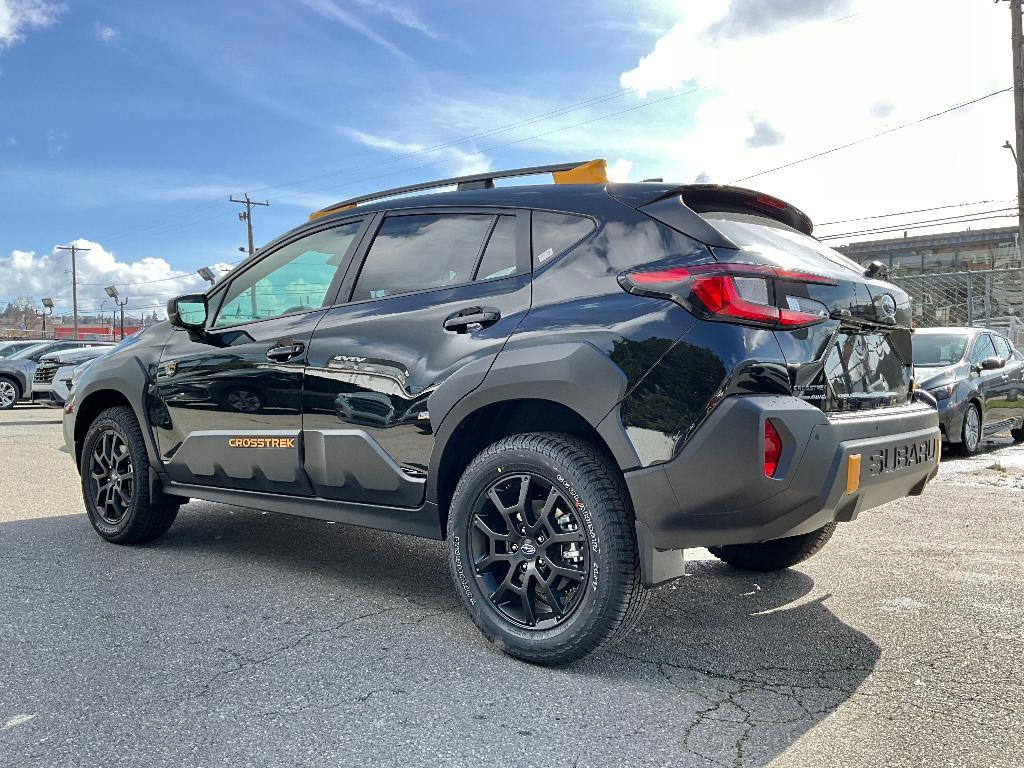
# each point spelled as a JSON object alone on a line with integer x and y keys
{"x": 679, "y": 207}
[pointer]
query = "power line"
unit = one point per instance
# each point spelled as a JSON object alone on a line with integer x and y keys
{"x": 922, "y": 225}
{"x": 873, "y": 136}
{"x": 905, "y": 213}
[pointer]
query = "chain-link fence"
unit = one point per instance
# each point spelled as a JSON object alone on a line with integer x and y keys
{"x": 991, "y": 298}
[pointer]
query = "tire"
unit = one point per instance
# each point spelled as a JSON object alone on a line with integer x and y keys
{"x": 967, "y": 446}
{"x": 777, "y": 554}
{"x": 1017, "y": 435}
{"x": 122, "y": 513}
{"x": 583, "y": 572}
{"x": 10, "y": 393}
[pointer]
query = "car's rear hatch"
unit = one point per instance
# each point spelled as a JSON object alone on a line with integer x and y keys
{"x": 859, "y": 356}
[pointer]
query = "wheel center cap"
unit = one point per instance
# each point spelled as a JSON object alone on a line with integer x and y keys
{"x": 528, "y": 549}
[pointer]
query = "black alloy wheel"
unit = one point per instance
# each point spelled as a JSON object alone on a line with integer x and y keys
{"x": 529, "y": 550}
{"x": 111, "y": 476}
{"x": 116, "y": 481}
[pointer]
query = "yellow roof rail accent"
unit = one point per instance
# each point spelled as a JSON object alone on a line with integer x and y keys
{"x": 328, "y": 211}
{"x": 594, "y": 172}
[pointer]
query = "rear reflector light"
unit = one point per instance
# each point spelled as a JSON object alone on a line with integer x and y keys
{"x": 772, "y": 449}
{"x": 740, "y": 293}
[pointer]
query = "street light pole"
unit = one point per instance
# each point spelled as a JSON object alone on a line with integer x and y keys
{"x": 1017, "y": 36}
{"x": 112, "y": 293}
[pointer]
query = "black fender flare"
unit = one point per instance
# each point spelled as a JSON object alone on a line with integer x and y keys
{"x": 128, "y": 377}
{"x": 576, "y": 375}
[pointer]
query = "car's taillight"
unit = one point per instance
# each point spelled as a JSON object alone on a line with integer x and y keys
{"x": 742, "y": 293}
{"x": 772, "y": 449}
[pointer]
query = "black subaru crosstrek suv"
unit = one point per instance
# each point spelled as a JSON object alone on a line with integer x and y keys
{"x": 570, "y": 383}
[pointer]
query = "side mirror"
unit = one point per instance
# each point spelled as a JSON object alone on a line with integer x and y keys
{"x": 188, "y": 312}
{"x": 992, "y": 364}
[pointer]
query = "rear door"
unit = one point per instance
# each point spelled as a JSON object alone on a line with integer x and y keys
{"x": 227, "y": 408}
{"x": 435, "y": 293}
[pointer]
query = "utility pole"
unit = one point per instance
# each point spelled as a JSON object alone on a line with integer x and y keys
{"x": 1017, "y": 36}
{"x": 246, "y": 216}
{"x": 75, "y": 250}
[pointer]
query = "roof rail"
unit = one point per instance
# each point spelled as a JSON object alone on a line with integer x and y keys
{"x": 582, "y": 172}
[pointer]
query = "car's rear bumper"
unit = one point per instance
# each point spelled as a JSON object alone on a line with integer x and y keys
{"x": 715, "y": 491}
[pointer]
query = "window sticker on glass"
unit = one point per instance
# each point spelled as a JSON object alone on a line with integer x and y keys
{"x": 542, "y": 257}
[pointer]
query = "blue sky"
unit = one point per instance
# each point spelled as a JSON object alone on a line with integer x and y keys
{"x": 126, "y": 125}
{"x": 123, "y": 114}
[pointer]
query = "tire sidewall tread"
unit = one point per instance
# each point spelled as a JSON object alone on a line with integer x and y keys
{"x": 144, "y": 520}
{"x": 582, "y": 472}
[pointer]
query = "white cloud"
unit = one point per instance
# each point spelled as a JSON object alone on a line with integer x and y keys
{"x": 826, "y": 72}
{"x": 36, "y": 275}
{"x": 459, "y": 162}
{"x": 105, "y": 34}
{"x": 619, "y": 170}
{"x": 402, "y": 15}
{"x": 19, "y": 16}
{"x": 328, "y": 9}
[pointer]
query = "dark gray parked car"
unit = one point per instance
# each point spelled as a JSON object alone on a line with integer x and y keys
{"x": 977, "y": 377}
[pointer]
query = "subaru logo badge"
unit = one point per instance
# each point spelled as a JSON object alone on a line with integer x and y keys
{"x": 888, "y": 306}
{"x": 528, "y": 549}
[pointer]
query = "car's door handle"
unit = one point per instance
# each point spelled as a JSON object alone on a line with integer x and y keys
{"x": 285, "y": 350}
{"x": 470, "y": 319}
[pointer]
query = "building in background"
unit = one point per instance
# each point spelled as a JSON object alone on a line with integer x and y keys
{"x": 970, "y": 250}
{"x": 974, "y": 277}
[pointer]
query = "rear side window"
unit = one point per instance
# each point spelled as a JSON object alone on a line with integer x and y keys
{"x": 555, "y": 233}
{"x": 983, "y": 349}
{"x": 414, "y": 253}
{"x": 499, "y": 259}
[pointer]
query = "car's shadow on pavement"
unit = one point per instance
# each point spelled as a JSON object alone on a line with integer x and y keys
{"x": 322, "y": 628}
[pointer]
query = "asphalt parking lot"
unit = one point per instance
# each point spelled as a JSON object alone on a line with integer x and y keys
{"x": 250, "y": 639}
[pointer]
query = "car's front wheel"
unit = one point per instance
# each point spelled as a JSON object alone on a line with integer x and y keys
{"x": 115, "y": 481}
{"x": 970, "y": 433}
{"x": 10, "y": 393}
{"x": 542, "y": 547}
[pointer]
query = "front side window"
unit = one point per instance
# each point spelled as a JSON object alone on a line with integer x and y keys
{"x": 983, "y": 349}
{"x": 555, "y": 233}
{"x": 422, "y": 251}
{"x": 294, "y": 278}
{"x": 1002, "y": 347}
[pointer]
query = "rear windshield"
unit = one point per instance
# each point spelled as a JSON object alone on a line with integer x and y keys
{"x": 773, "y": 238}
{"x": 939, "y": 348}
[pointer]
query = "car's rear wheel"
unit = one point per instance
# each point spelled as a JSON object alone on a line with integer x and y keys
{"x": 115, "y": 481}
{"x": 1017, "y": 435}
{"x": 970, "y": 433}
{"x": 542, "y": 547}
{"x": 10, "y": 393}
{"x": 776, "y": 554}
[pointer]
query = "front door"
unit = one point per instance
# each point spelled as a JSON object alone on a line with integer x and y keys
{"x": 988, "y": 382}
{"x": 435, "y": 293}
{"x": 227, "y": 407}
{"x": 1009, "y": 398}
